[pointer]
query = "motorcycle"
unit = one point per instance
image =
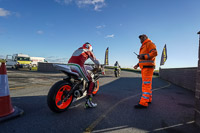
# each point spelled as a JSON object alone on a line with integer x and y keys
{"x": 117, "y": 71}
{"x": 72, "y": 87}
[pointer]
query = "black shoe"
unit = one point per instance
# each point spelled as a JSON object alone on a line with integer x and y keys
{"x": 139, "y": 106}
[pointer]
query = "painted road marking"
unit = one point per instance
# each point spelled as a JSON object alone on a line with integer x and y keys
{"x": 110, "y": 129}
{"x": 177, "y": 125}
{"x": 23, "y": 87}
{"x": 14, "y": 88}
{"x": 99, "y": 119}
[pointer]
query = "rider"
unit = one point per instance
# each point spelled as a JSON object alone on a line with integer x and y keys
{"x": 76, "y": 63}
{"x": 117, "y": 64}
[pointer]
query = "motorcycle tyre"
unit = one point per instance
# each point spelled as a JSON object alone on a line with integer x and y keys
{"x": 96, "y": 88}
{"x": 52, "y": 95}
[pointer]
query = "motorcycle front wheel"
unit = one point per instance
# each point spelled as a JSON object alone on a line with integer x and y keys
{"x": 119, "y": 73}
{"x": 56, "y": 95}
{"x": 96, "y": 88}
{"x": 116, "y": 73}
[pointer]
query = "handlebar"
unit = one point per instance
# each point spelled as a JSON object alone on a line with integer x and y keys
{"x": 97, "y": 70}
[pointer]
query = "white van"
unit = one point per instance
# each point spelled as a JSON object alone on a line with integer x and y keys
{"x": 35, "y": 60}
{"x": 18, "y": 61}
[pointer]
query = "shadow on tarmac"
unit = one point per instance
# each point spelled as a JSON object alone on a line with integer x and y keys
{"x": 172, "y": 110}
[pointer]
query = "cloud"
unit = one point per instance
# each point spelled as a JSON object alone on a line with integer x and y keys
{"x": 2, "y": 57}
{"x": 100, "y": 26}
{"x": 55, "y": 59}
{"x": 110, "y": 36}
{"x": 97, "y": 4}
{"x": 40, "y": 32}
{"x": 4, "y": 12}
{"x": 63, "y": 1}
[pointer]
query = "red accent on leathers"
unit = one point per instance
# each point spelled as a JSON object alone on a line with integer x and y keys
{"x": 91, "y": 88}
{"x": 79, "y": 57}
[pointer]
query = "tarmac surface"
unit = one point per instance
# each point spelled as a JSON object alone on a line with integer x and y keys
{"x": 171, "y": 111}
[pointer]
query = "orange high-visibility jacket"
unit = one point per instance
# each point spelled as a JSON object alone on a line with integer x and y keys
{"x": 149, "y": 52}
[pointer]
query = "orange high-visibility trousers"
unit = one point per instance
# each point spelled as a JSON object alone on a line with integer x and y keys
{"x": 147, "y": 74}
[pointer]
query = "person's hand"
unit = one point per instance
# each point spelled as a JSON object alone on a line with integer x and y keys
{"x": 97, "y": 66}
{"x": 140, "y": 56}
{"x": 95, "y": 70}
{"x": 136, "y": 66}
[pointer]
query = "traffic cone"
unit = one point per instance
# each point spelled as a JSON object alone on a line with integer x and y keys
{"x": 6, "y": 109}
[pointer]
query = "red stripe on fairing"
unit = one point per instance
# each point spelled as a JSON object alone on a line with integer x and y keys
{"x": 5, "y": 106}
{"x": 3, "y": 69}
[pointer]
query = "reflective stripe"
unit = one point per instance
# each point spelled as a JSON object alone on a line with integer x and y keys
{"x": 4, "y": 87}
{"x": 147, "y": 93}
{"x": 147, "y": 82}
{"x": 145, "y": 97}
{"x": 148, "y": 56}
{"x": 146, "y": 61}
{"x": 152, "y": 50}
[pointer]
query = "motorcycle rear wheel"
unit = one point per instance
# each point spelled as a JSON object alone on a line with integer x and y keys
{"x": 56, "y": 94}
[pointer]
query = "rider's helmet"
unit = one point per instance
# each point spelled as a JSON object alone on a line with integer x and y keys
{"x": 88, "y": 46}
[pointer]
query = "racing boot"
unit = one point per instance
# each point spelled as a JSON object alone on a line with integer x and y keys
{"x": 89, "y": 103}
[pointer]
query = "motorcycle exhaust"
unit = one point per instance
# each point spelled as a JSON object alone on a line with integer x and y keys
{"x": 77, "y": 93}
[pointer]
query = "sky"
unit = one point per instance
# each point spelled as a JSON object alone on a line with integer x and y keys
{"x": 54, "y": 29}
